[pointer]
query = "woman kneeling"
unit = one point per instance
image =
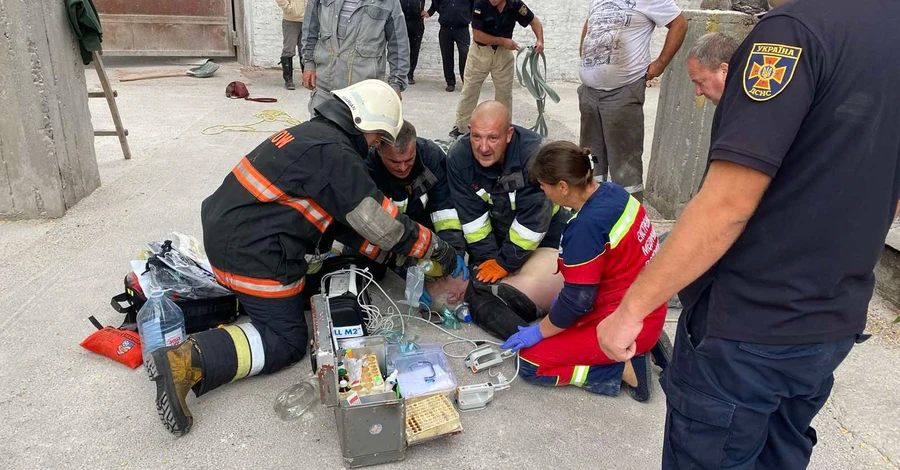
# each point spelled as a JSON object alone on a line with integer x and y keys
{"x": 603, "y": 249}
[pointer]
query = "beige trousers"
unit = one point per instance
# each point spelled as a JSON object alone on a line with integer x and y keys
{"x": 481, "y": 61}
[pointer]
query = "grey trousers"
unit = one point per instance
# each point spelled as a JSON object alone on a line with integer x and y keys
{"x": 612, "y": 126}
{"x": 292, "y": 31}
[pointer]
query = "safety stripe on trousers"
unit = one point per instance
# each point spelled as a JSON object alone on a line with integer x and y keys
{"x": 579, "y": 375}
{"x": 257, "y": 350}
{"x": 245, "y": 348}
{"x": 423, "y": 241}
{"x": 263, "y": 189}
{"x": 267, "y": 288}
{"x": 626, "y": 220}
{"x": 523, "y": 237}
{"x": 478, "y": 229}
{"x": 446, "y": 219}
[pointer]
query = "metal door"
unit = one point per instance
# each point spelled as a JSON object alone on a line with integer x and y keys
{"x": 167, "y": 27}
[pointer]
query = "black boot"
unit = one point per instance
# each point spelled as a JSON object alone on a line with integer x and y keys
{"x": 287, "y": 69}
{"x": 175, "y": 370}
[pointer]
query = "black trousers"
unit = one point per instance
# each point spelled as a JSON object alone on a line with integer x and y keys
{"x": 739, "y": 405}
{"x": 447, "y": 37}
{"x": 415, "y": 28}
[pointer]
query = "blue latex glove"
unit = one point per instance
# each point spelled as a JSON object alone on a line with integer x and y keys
{"x": 461, "y": 268}
{"x": 425, "y": 299}
{"x": 527, "y": 337}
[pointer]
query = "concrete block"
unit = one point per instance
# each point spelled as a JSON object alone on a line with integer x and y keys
{"x": 683, "y": 120}
{"x": 715, "y": 5}
{"x": 47, "y": 161}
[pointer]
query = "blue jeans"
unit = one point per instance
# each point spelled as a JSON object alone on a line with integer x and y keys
{"x": 738, "y": 405}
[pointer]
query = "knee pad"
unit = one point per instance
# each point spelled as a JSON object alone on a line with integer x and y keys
{"x": 499, "y": 308}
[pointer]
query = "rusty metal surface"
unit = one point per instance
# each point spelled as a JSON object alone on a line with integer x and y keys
{"x": 324, "y": 351}
{"x": 167, "y": 27}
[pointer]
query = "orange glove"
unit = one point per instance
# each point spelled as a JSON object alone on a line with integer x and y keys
{"x": 490, "y": 271}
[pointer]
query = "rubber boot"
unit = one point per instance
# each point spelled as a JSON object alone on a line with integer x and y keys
{"x": 175, "y": 370}
{"x": 287, "y": 69}
{"x": 662, "y": 351}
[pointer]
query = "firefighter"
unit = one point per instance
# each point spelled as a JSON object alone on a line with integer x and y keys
{"x": 412, "y": 172}
{"x": 260, "y": 227}
{"x": 505, "y": 216}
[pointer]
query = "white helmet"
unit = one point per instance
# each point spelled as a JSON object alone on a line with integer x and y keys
{"x": 375, "y": 107}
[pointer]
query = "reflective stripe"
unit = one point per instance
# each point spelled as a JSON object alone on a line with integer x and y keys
{"x": 371, "y": 251}
{"x": 634, "y": 189}
{"x": 446, "y": 219}
{"x": 241, "y": 350}
{"x": 261, "y": 188}
{"x": 478, "y": 229}
{"x": 390, "y": 207}
{"x": 424, "y": 199}
{"x": 579, "y": 375}
{"x": 402, "y": 205}
{"x": 512, "y": 200}
{"x": 420, "y": 247}
{"x": 626, "y": 220}
{"x": 484, "y": 196}
{"x": 258, "y": 287}
{"x": 257, "y": 351}
{"x": 555, "y": 210}
{"x": 524, "y": 237}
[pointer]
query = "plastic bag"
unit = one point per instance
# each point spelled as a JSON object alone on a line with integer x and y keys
{"x": 415, "y": 284}
{"x": 179, "y": 266}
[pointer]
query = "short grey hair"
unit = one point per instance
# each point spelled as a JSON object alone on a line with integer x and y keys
{"x": 714, "y": 49}
{"x": 406, "y": 136}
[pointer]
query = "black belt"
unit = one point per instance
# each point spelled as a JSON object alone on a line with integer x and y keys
{"x": 485, "y": 45}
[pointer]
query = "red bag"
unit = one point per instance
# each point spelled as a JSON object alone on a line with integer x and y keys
{"x": 119, "y": 345}
{"x": 238, "y": 90}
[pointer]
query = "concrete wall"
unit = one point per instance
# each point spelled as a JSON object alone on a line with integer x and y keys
{"x": 562, "y": 20}
{"x": 47, "y": 160}
{"x": 681, "y": 139}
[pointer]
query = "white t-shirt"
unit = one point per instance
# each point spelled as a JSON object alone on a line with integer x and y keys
{"x": 616, "y": 48}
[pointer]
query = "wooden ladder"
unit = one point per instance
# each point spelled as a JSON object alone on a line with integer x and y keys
{"x": 110, "y": 95}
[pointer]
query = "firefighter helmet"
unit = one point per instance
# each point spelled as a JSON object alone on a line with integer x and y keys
{"x": 375, "y": 107}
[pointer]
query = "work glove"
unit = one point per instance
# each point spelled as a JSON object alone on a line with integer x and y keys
{"x": 425, "y": 299}
{"x": 490, "y": 271}
{"x": 461, "y": 269}
{"x": 527, "y": 337}
{"x": 444, "y": 254}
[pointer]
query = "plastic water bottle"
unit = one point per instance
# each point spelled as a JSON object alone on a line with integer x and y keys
{"x": 296, "y": 399}
{"x": 462, "y": 312}
{"x": 160, "y": 324}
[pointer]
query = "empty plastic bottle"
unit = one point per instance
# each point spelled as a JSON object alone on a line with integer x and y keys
{"x": 296, "y": 399}
{"x": 160, "y": 323}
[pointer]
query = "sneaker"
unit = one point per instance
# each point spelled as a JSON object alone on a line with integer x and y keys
{"x": 641, "y": 366}
{"x": 173, "y": 371}
{"x": 450, "y": 88}
{"x": 661, "y": 353}
{"x": 455, "y": 133}
{"x": 412, "y": 81}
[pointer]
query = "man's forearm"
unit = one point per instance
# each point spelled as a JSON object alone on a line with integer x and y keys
{"x": 484, "y": 38}
{"x": 583, "y": 34}
{"x": 538, "y": 29}
{"x": 708, "y": 227}
{"x": 674, "y": 39}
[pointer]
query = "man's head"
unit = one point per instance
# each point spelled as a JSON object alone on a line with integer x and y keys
{"x": 490, "y": 132}
{"x": 707, "y": 64}
{"x": 376, "y": 109}
{"x": 400, "y": 156}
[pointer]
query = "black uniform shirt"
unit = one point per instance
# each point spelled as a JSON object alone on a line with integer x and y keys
{"x": 487, "y": 19}
{"x": 811, "y": 100}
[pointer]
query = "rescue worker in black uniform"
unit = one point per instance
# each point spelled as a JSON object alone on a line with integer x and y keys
{"x": 412, "y": 172}
{"x": 261, "y": 231}
{"x": 505, "y": 216}
{"x": 775, "y": 254}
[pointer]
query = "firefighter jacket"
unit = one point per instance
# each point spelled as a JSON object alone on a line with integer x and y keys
{"x": 424, "y": 195}
{"x": 261, "y": 226}
{"x": 504, "y": 215}
{"x": 375, "y": 34}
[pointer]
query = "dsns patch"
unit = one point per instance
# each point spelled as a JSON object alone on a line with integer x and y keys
{"x": 769, "y": 69}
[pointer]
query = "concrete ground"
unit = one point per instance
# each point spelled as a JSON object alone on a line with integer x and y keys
{"x": 62, "y": 406}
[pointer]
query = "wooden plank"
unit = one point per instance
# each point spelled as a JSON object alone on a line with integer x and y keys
{"x": 101, "y": 94}
{"x": 113, "y": 108}
{"x": 108, "y": 133}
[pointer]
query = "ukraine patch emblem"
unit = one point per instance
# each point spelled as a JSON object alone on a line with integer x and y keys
{"x": 769, "y": 69}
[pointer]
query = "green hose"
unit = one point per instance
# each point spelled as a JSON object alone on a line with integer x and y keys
{"x": 531, "y": 75}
